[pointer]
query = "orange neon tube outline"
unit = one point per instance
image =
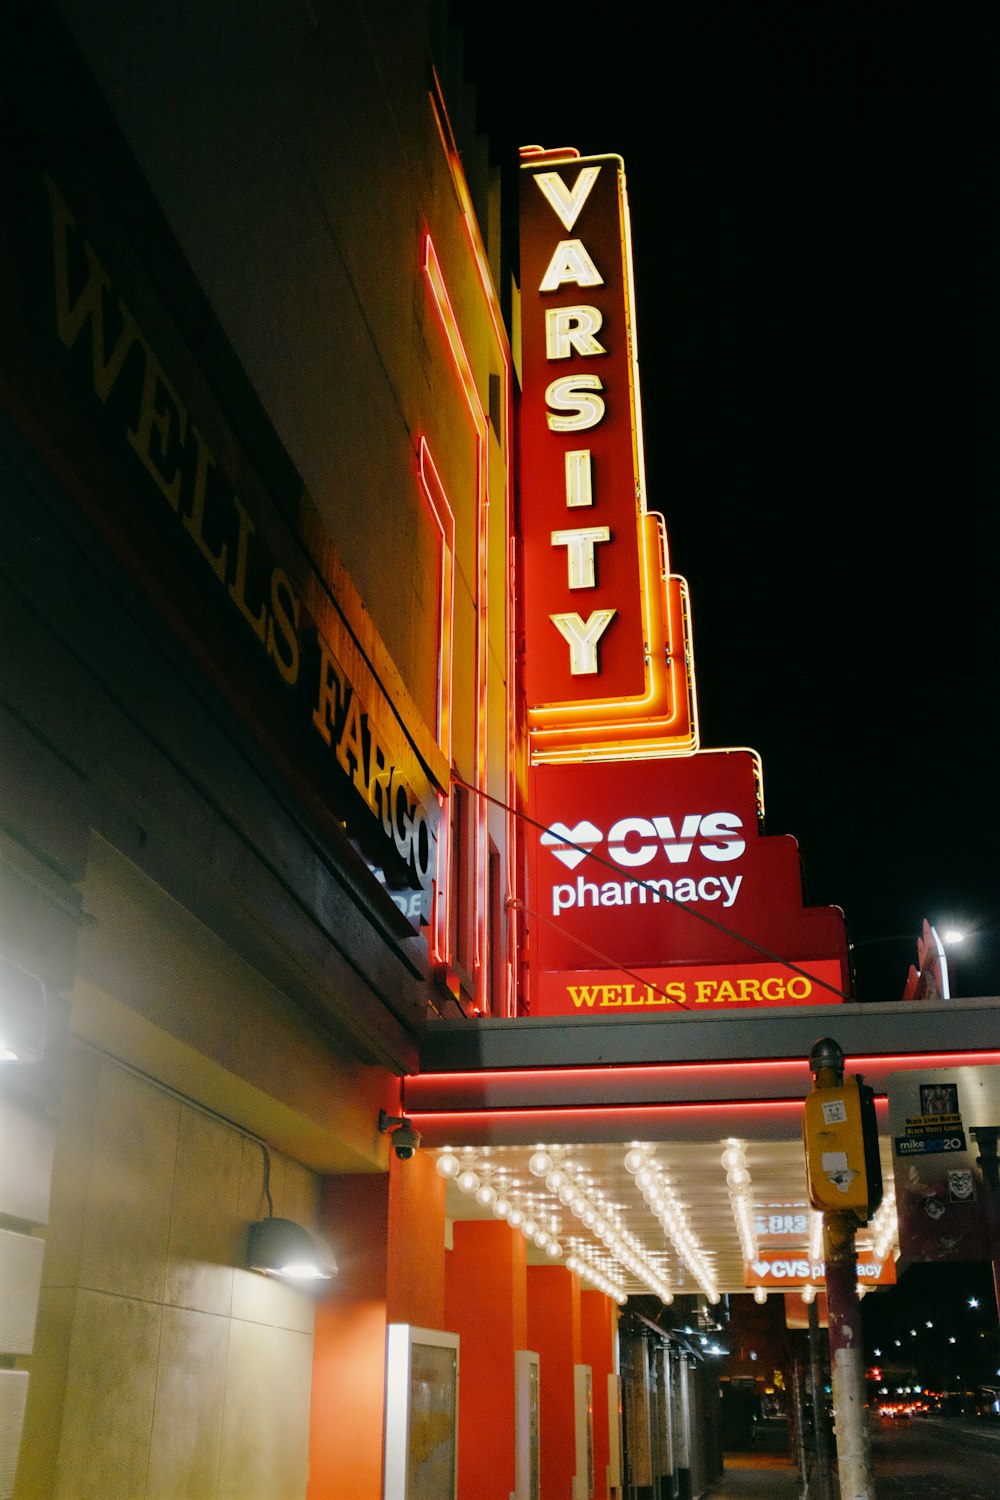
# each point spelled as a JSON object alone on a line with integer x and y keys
{"x": 443, "y": 520}
{"x": 446, "y": 312}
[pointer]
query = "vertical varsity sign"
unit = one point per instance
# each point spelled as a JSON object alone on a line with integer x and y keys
{"x": 607, "y": 668}
{"x": 652, "y": 885}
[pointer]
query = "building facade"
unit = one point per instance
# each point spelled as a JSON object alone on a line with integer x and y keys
{"x": 305, "y": 743}
{"x": 255, "y": 448}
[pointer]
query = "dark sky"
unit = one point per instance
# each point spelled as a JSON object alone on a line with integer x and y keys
{"x": 815, "y": 195}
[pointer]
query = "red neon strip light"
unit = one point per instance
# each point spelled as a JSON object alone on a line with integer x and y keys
{"x": 433, "y": 1117}
{"x": 650, "y": 1070}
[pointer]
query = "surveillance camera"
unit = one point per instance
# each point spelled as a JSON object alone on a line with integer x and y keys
{"x": 405, "y": 1140}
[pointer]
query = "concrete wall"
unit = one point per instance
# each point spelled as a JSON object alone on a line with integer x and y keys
{"x": 163, "y": 1368}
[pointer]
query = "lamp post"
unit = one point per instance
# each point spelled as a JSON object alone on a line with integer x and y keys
{"x": 929, "y": 978}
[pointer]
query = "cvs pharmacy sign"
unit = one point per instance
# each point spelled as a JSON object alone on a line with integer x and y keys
{"x": 655, "y": 864}
{"x": 634, "y": 841}
{"x": 796, "y": 1271}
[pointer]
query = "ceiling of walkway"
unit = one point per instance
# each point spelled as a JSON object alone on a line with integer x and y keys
{"x": 684, "y": 1227}
{"x": 677, "y": 1150}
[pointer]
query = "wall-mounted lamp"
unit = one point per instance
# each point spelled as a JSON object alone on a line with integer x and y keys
{"x": 405, "y": 1140}
{"x": 280, "y": 1247}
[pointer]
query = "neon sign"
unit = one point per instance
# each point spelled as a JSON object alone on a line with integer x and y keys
{"x": 607, "y": 657}
{"x": 654, "y": 888}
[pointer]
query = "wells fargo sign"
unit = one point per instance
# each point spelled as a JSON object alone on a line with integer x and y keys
{"x": 606, "y": 660}
{"x": 196, "y": 532}
{"x": 705, "y": 987}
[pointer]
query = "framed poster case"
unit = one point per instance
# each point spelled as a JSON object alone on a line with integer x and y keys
{"x": 527, "y": 1473}
{"x": 583, "y": 1406}
{"x": 615, "y": 1475}
{"x": 421, "y": 1414}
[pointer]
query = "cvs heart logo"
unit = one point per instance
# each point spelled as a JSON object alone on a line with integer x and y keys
{"x": 561, "y": 840}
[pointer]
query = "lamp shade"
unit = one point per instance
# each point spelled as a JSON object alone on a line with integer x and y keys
{"x": 280, "y": 1247}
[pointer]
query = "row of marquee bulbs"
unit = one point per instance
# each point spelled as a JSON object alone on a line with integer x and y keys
{"x": 568, "y": 1184}
{"x": 738, "y": 1180}
{"x": 654, "y": 1185}
{"x": 505, "y": 1203}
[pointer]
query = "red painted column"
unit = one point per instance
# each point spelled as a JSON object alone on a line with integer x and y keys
{"x": 345, "y": 1425}
{"x": 486, "y": 1305}
{"x": 416, "y": 1253}
{"x": 387, "y": 1230}
{"x": 598, "y": 1327}
{"x": 554, "y": 1333}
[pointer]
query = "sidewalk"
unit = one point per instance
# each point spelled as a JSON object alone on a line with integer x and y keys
{"x": 756, "y": 1476}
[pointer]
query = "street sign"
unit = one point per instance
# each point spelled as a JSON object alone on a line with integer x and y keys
{"x": 944, "y": 1124}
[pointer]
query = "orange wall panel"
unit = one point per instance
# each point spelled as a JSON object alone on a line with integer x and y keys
{"x": 554, "y": 1332}
{"x": 415, "y": 1268}
{"x": 598, "y": 1323}
{"x": 345, "y": 1433}
{"x": 485, "y": 1302}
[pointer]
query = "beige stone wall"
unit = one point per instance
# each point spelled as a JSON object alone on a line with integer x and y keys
{"x": 162, "y": 1370}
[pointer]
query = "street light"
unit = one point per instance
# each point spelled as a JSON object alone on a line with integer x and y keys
{"x": 928, "y": 979}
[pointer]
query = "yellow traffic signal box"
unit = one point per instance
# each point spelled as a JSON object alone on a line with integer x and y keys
{"x": 843, "y": 1168}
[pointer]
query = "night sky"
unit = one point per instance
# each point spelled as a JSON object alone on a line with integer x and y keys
{"x": 815, "y": 196}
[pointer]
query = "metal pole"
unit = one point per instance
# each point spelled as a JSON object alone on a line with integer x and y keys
{"x": 800, "y": 1430}
{"x": 847, "y": 1369}
{"x": 820, "y": 1435}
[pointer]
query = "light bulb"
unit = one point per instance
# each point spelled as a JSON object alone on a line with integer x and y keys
{"x": 539, "y": 1163}
{"x": 447, "y": 1165}
{"x": 468, "y": 1181}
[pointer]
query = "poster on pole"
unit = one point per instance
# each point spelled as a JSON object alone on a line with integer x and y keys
{"x": 945, "y": 1125}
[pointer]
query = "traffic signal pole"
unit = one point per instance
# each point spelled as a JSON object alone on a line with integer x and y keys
{"x": 837, "y": 1131}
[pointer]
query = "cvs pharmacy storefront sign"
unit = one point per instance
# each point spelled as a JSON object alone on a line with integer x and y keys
{"x": 659, "y": 889}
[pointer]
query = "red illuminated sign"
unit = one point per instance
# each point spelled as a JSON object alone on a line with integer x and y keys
{"x": 652, "y": 874}
{"x": 651, "y": 885}
{"x": 707, "y": 987}
{"x": 783, "y": 1271}
{"x": 606, "y": 658}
